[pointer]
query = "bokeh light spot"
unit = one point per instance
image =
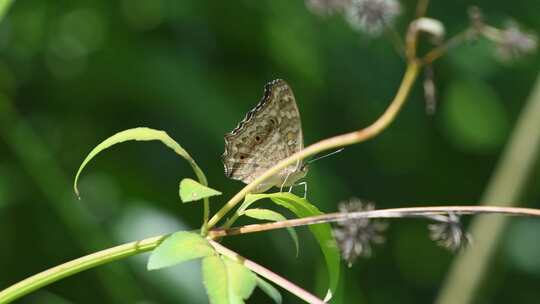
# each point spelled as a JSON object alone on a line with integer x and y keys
{"x": 473, "y": 116}
{"x": 143, "y": 14}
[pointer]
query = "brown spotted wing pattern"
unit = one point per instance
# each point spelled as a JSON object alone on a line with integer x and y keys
{"x": 269, "y": 133}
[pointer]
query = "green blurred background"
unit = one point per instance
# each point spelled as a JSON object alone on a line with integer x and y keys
{"x": 75, "y": 72}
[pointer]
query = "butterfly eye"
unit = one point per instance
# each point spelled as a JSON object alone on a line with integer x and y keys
{"x": 257, "y": 138}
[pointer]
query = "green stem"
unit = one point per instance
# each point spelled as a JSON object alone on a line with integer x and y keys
{"x": 122, "y": 251}
{"x": 35, "y": 157}
{"x": 233, "y": 219}
{"x": 334, "y": 142}
{"x": 112, "y": 254}
{"x": 206, "y": 215}
{"x": 75, "y": 266}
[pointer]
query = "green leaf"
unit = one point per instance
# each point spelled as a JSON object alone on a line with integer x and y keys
{"x": 4, "y": 6}
{"x": 270, "y": 290}
{"x": 140, "y": 134}
{"x": 179, "y": 247}
{"x": 270, "y": 215}
{"x": 226, "y": 281}
{"x": 191, "y": 190}
{"x": 250, "y": 199}
{"x": 322, "y": 232}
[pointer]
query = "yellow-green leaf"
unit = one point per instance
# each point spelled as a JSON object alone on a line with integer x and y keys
{"x": 322, "y": 232}
{"x": 141, "y": 134}
{"x": 226, "y": 281}
{"x": 191, "y": 190}
{"x": 179, "y": 247}
{"x": 270, "y": 290}
{"x": 270, "y": 215}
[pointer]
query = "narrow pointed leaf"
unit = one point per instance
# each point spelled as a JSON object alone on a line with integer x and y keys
{"x": 250, "y": 199}
{"x": 179, "y": 247}
{"x": 191, "y": 190}
{"x": 270, "y": 290}
{"x": 322, "y": 232}
{"x": 270, "y": 215}
{"x": 140, "y": 134}
{"x": 226, "y": 281}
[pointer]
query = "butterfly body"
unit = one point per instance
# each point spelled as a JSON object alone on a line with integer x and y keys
{"x": 269, "y": 133}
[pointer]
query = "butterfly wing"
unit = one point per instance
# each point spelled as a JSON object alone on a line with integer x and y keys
{"x": 269, "y": 133}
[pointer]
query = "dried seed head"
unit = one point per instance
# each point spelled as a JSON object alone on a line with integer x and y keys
{"x": 327, "y": 7}
{"x": 449, "y": 232}
{"x": 371, "y": 16}
{"x": 476, "y": 18}
{"x": 430, "y": 90}
{"x": 514, "y": 43}
{"x": 354, "y": 236}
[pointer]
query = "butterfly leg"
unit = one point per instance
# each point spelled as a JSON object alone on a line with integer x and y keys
{"x": 287, "y": 177}
{"x": 305, "y": 189}
{"x": 285, "y": 182}
{"x": 300, "y": 184}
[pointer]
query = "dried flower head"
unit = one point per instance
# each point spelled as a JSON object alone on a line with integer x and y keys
{"x": 354, "y": 236}
{"x": 449, "y": 232}
{"x": 327, "y": 7}
{"x": 371, "y": 16}
{"x": 513, "y": 42}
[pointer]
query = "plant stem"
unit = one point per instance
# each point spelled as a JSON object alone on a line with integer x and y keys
{"x": 381, "y": 213}
{"x": 268, "y": 274}
{"x": 506, "y": 185}
{"x": 439, "y": 51}
{"x": 122, "y": 251}
{"x": 41, "y": 279}
{"x": 206, "y": 215}
{"x": 35, "y": 157}
{"x": 334, "y": 142}
{"x": 75, "y": 266}
{"x": 421, "y": 8}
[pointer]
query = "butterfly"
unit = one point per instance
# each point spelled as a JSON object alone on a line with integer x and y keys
{"x": 269, "y": 133}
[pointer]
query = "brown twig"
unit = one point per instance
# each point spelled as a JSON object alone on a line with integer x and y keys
{"x": 440, "y": 50}
{"x": 421, "y": 8}
{"x": 268, "y": 274}
{"x": 381, "y": 213}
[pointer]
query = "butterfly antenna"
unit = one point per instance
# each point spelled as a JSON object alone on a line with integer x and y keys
{"x": 324, "y": 156}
